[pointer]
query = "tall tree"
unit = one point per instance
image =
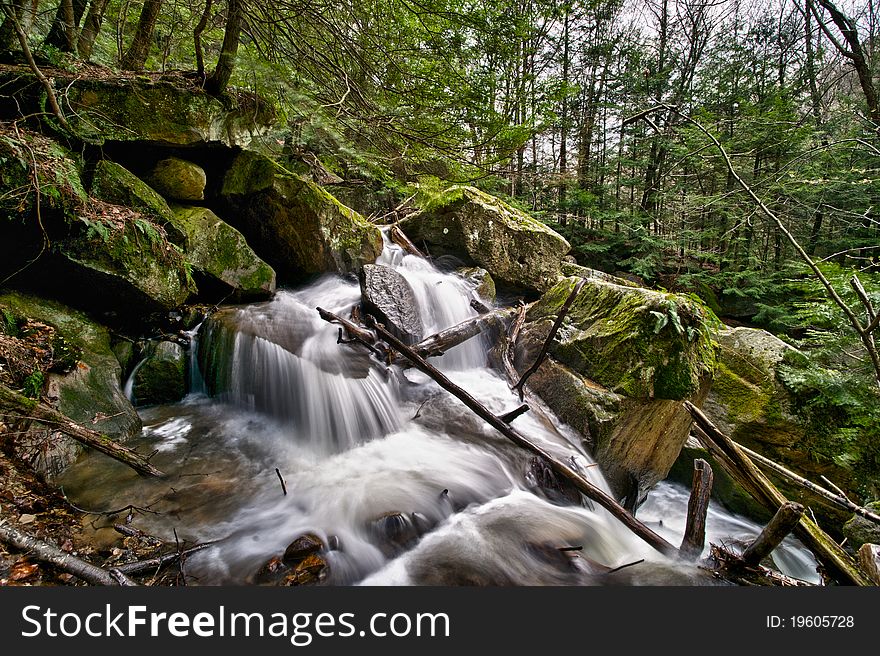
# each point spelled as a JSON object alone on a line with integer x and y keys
{"x": 135, "y": 57}
{"x": 218, "y": 80}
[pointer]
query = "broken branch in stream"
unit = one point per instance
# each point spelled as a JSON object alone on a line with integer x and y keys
{"x": 578, "y": 480}
{"x": 735, "y": 461}
{"x": 160, "y": 561}
{"x": 444, "y": 340}
{"x": 556, "y": 325}
{"x": 357, "y": 333}
{"x": 399, "y": 237}
{"x": 41, "y": 412}
{"x": 47, "y": 553}
{"x": 694, "y": 540}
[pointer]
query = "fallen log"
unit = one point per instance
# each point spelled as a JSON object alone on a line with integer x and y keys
{"x": 32, "y": 409}
{"x": 357, "y": 333}
{"x": 506, "y": 344}
{"x": 546, "y": 347}
{"x": 698, "y": 505}
{"x": 869, "y": 558}
{"x": 785, "y": 519}
{"x": 837, "y": 499}
{"x": 728, "y": 565}
{"x": 47, "y": 553}
{"x": 561, "y": 468}
{"x": 399, "y": 237}
{"x": 836, "y": 561}
{"x": 447, "y": 338}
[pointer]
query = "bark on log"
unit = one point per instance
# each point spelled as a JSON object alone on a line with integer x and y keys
{"x": 556, "y": 324}
{"x": 698, "y": 505}
{"x": 869, "y": 558}
{"x": 729, "y": 566}
{"x": 508, "y": 417}
{"x": 22, "y": 405}
{"x": 837, "y": 499}
{"x": 836, "y": 561}
{"x": 785, "y": 519}
{"x": 47, "y": 553}
{"x": 357, "y": 333}
{"x": 561, "y": 468}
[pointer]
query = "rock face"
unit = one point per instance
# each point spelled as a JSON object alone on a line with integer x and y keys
{"x": 296, "y": 226}
{"x": 517, "y": 250}
{"x": 388, "y": 296}
{"x": 116, "y": 184}
{"x": 221, "y": 257}
{"x": 621, "y": 363}
{"x": 87, "y": 389}
{"x": 859, "y": 530}
{"x": 178, "y": 179}
{"x": 162, "y": 377}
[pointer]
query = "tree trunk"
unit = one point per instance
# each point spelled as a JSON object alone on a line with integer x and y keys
{"x": 91, "y": 28}
{"x": 218, "y": 81}
{"x": 64, "y": 27}
{"x": 136, "y": 56}
{"x": 563, "y": 126}
{"x": 197, "y": 38}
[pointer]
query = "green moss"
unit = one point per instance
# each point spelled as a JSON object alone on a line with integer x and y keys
{"x": 33, "y": 385}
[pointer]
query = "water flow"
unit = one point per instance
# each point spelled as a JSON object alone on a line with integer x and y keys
{"x": 358, "y": 443}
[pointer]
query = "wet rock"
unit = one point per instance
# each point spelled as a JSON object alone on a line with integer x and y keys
{"x": 162, "y": 378}
{"x": 517, "y": 250}
{"x": 295, "y": 225}
{"x": 481, "y": 279}
{"x": 388, "y": 296}
{"x": 179, "y": 179}
{"x": 551, "y": 485}
{"x": 302, "y": 547}
{"x": 310, "y": 570}
{"x": 395, "y": 532}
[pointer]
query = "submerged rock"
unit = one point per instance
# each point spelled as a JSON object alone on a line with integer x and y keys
{"x": 221, "y": 256}
{"x": 161, "y": 378}
{"x": 295, "y": 225}
{"x": 86, "y": 386}
{"x": 302, "y": 547}
{"x": 395, "y": 532}
{"x": 388, "y": 296}
{"x": 179, "y": 179}
{"x": 517, "y": 250}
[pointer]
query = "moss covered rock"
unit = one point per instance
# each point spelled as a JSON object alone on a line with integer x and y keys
{"x": 221, "y": 256}
{"x": 179, "y": 179}
{"x": 294, "y": 224}
{"x": 116, "y": 184}
{"x": 124, "y": 255}
{"x": 859, "y": 530}
{"x": 633, "y": 341}
{"x": 89, "y": 393}
{"x": 161, "y": 377}
{"x": 517, "y": 250}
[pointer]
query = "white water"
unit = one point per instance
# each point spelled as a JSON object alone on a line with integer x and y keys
{"x": 355, "y": 440}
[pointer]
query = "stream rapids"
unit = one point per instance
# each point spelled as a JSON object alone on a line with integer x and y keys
{"x": 274, "y": 396}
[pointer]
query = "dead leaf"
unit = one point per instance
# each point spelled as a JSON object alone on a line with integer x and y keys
{"x": 27, "y": 518}
{"x": 23, "y": 570}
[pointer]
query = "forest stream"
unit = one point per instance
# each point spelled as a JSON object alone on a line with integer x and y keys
{"x": 300, "y": 434}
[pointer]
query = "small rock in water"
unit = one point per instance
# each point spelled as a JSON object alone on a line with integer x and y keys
{"x": 304, "y": 546}
{"x": 310, "y": 570}
{"x": 395, "y": 532}
{"x": 554, "y": 488}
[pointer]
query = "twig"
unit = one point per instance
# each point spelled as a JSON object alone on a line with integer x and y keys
{"x": 556, "y": 325}
{"x": 620, "y": 567}
{"x": 160, "y": 561}
{"x": 283, "y": 486}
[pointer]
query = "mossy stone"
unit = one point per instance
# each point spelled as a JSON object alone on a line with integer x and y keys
{"x": 179, "y": 179}
{"x": 161, "y": 378}
{"x": 859, "y": 530}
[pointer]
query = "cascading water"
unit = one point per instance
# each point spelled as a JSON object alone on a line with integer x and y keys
{"x": 355, "y": 441}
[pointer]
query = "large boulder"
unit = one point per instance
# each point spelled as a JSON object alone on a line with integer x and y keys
{"x": 83, "y": 381}
{"x": 161, "y": 377}
{"x": 221, "y": 258}
{"x": 619, "y": 367}
{"x": 517, "y": 250}
{"x": 299, "y": 228}
{"x": 388, "y": 296}
{"x": 115, "y": 184}
{"x": 179, "y": 179}
{"x": 859, "y": 530}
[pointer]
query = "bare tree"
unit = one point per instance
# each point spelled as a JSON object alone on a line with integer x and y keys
{"x": 136, "y": 56}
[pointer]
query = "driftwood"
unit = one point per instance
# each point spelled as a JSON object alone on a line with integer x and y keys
{"x": 561, "y": 468}
{"x": 698, "y": 505}
{"x": 357, "y": 333}
{"x": 399, "y": 237}
{"x": 556, "y": 325}
{"x": 441, "y": 342}
{"x": 839, "y": 500}
{"x": 160, "y": 561}
{"x": 41, "y": 412}
{"x": 836, "y": 561}
{"x": 869, "y": 559}
{"x": 783, "y": 522}
{"x": 508, "y": 417}
{"x": 506, "y": 345}
{"x": 47, "y": 553}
